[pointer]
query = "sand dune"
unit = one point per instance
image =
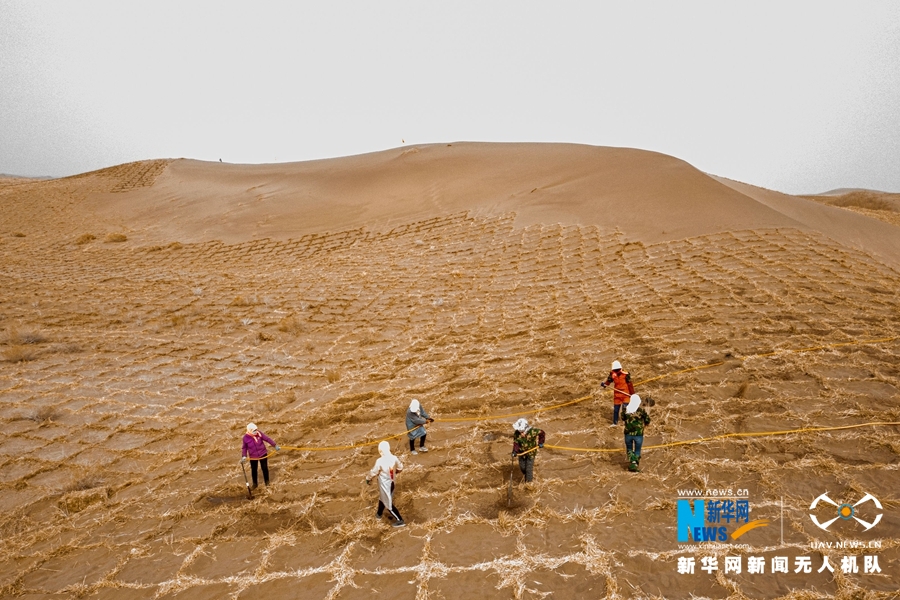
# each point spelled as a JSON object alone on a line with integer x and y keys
{"x": 854, "y": 230}
{"x": 149, "y": 311}
{"x": 648, "y": 196}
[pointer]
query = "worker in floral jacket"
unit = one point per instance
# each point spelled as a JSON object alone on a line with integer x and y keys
{"x": 526, "y": 441}
{"x": 635, "y": 418}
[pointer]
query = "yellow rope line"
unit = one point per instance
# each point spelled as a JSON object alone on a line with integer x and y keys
{"x": 519, "y": 414}
{"x": 664, "y": 375}
{"x": 350, "y": 446}
{"x": 588, "y": 397}
{"x": 326, "y": 448}
{"x": 728, "y": 435}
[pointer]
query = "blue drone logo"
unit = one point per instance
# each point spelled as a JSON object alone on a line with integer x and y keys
{"x": 845, "y": 511}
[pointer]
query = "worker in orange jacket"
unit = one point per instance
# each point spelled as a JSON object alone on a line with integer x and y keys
{"x": 622, "y": 389}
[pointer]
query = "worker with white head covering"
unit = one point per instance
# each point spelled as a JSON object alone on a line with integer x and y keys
{"x": 635, "y": 418}
{"x": 416, "y": 417}
{"x": 253, "y": 446}
{"x": 622, "y": 388}
{"x": 526, "y": 441}
{"x": 386, "y": 469}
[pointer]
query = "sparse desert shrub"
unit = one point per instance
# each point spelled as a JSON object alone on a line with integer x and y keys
{"x": 85, "y": 238}
{"x": 177, "y": 320}
{"x": 88, "y": 482}
{"x": 15, "y": 354}
{"x": 42, "y": 414}
{"x": 332, "y": 375}
{"x": 14, "y": 523}
{"x": 291, "y": 325}
{"x": 33, "y": 337}
{"x": 175, "y": 246}
{"x": 22, "y": 337}
{"x": 242, "y": 301}
{"x": 76, "y": 501}
{"x": 277, "y": 401}
{"x": 263, "y": 337}
{"x": 115, "y": 238}
{"x": 18, "y": 234}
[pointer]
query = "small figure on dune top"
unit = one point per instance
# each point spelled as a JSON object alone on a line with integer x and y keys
{"x": 253, "y": 446}
{"x": 416, "y": 417}
{"x": 636, "y": 419}
{"x": 526, "y": 441}
{"x": 622, "y": 388}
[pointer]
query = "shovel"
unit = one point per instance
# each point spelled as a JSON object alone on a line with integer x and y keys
{"x": 512, "y": 468}
{"x": 247, "y": 481}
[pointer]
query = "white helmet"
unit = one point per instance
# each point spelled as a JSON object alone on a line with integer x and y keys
{"x": 384, "y": 448}
{"x": 616, "y": 365}
{"x": 521, "y": 425}
{"x": 633, "y": 404}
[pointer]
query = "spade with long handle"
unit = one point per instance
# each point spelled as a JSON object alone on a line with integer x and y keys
{"x": 512, "y": 467}
{"x": 247, "y": 481}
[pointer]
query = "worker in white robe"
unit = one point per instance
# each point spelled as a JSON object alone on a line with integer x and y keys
{"x": 386, "y": 469}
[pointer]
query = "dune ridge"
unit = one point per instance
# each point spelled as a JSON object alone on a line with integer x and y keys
{"x": 150, "y": 310}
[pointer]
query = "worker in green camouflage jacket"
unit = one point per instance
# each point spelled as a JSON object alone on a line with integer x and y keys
{"x": 636, "y": 418}
{"x": 526, "y": 441}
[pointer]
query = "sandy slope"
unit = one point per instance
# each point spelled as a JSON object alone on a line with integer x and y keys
{"x": 851, "y": 229}
{"x": 317, "y": 298}
{"x": 648, "y": 196}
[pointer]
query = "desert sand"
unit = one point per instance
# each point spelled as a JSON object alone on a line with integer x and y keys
{"x": 150, "y": 310}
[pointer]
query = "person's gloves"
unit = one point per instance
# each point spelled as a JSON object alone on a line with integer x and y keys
{"x": 514, "y": 454}
{"x": 430, "y": 420}
{"x": 368, "y": 482}
{"x": 277, "y": 448}
{"x": 603, "y": 385}
{"x": 243, "y": 459}
{"x": 540, "y": 445}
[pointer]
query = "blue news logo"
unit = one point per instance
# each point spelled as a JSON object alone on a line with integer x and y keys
{"x": 709, "y": 520}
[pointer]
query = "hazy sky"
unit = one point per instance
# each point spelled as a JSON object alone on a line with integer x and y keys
{"x": 794, "y": 96}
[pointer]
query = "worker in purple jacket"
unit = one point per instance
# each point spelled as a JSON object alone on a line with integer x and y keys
{"x": 254, "y": 448}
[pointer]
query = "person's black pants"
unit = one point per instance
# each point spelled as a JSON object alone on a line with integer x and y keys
{"x": 393, "y": 511}
{"x": 264, "y": 463}
{"x": 412, "y": 443}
